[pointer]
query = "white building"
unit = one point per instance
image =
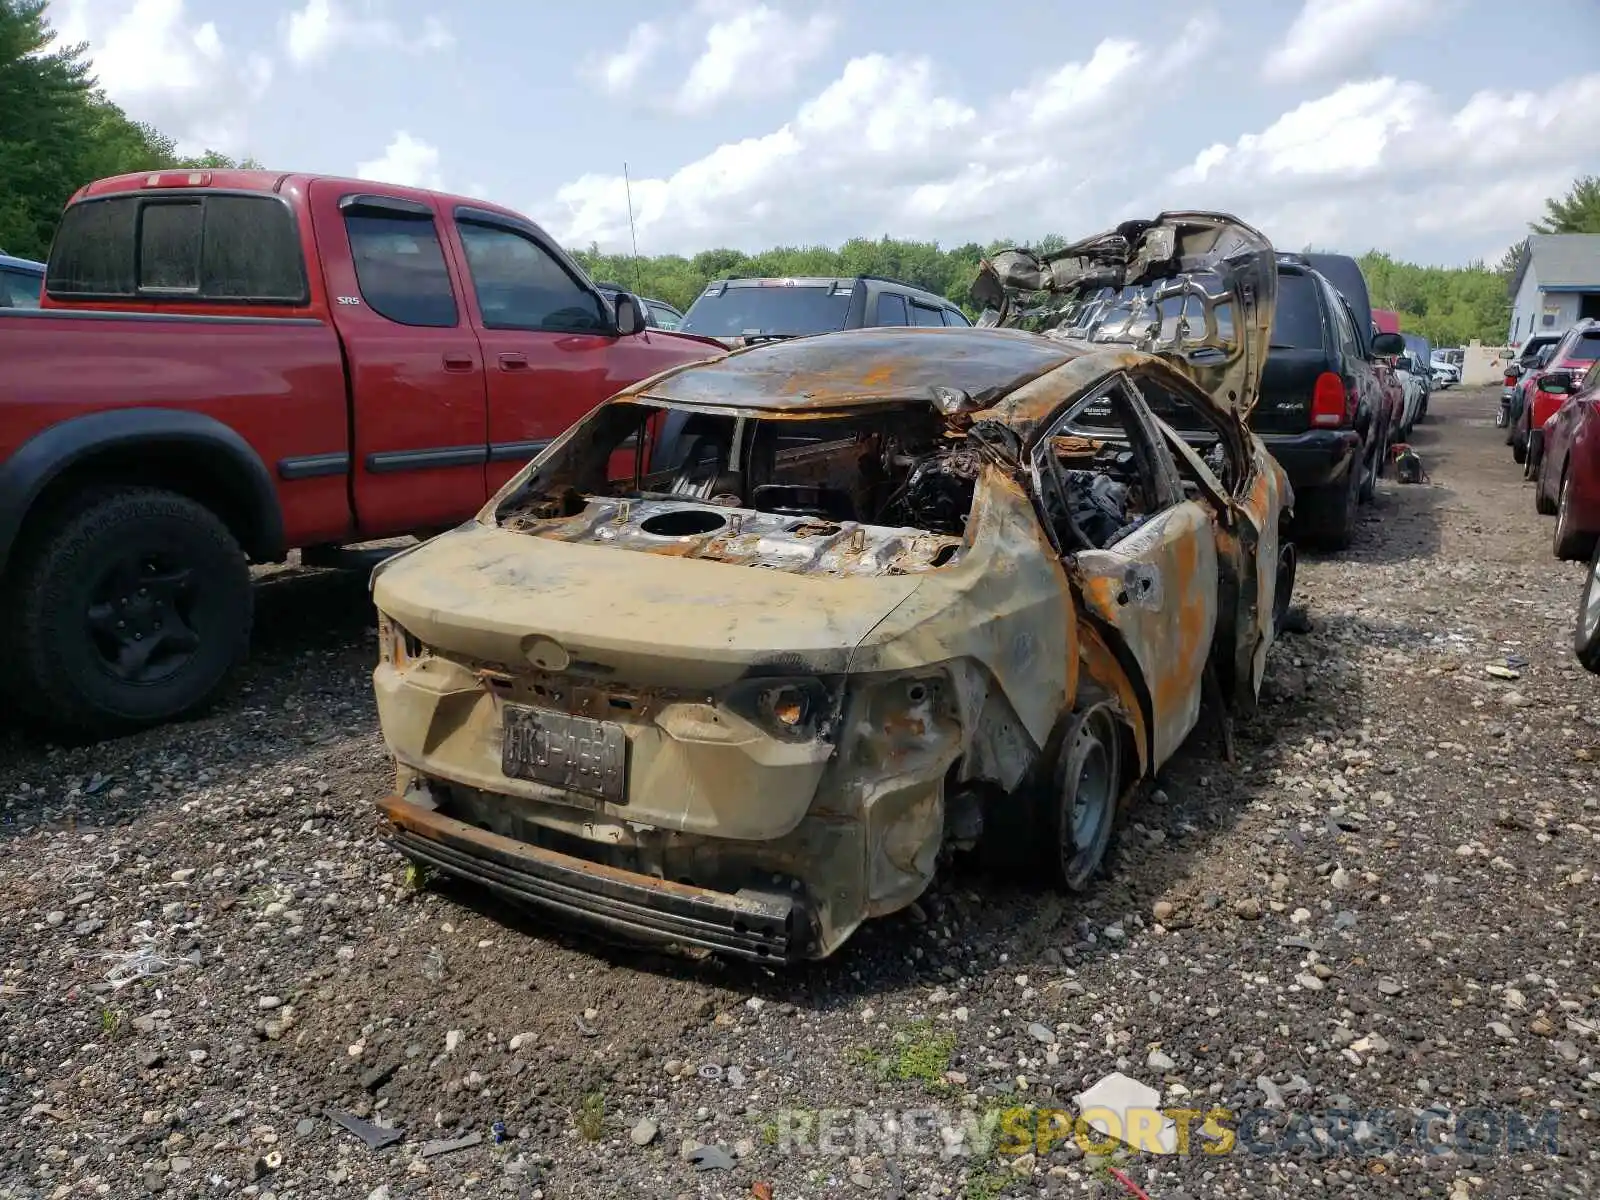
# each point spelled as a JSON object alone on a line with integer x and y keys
{"x": 1557, "y": 282}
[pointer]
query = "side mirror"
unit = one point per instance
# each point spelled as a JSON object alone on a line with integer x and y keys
{"x": 1513, "y": 371}
{"x": 629, "y": 315}
{"x": 1557, "y": 383}
{"x": 1386, "y": 344}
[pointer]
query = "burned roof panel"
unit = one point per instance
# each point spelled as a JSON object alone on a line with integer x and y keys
{"x": 839, "y": 370}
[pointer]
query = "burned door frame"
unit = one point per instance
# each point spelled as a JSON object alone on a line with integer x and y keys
{"x": 1249, "y": 543}
{"x": 1146, "y": 590}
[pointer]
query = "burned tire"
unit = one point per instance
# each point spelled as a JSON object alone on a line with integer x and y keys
{"x": 1081, "y": 809}
{"x": 1586, "y": 634}
{"x": 129, "y": 608}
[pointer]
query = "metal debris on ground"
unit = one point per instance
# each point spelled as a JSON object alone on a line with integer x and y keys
{"x": 142, "y": 962}
{"x": 375, "y": 1136}
{"x": 710, "y": 1071}
{"x": 450, "y": 1145}
{"x": 711, "y": 1158}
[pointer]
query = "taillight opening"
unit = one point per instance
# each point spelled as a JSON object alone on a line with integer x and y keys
{"x": 1330, "y": 401}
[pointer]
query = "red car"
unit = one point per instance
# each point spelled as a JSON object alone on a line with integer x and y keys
{"x": 1567, "y": 483}
{"x": 1572, "y": 356}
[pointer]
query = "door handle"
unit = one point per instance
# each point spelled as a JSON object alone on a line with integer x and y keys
{"x": 514, "y": 362}
{"x": 458, "y": 362}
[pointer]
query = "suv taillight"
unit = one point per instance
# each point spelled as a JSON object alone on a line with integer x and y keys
{"x": 1328, "y": 400}
{"x": 1511, "y": 381}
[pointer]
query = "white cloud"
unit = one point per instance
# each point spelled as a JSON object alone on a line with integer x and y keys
{"x": 738, "y": 50}
{"x": 752, "y": 50}
{"x": 311, "y": 33}
{"x": 1380, "y": 161}
{"x": 408, "y": 161}
{"x": 1330, "y": 36}
{"x": 884, "y": 147}
{"x": 618, "y": 72}
{"x": 162, "y": 68}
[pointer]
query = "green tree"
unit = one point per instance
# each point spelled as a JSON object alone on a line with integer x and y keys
{"x": 1576, "y": 212}
{"x": 58, "y": 131}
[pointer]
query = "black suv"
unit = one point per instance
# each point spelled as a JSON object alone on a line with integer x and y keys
{"x": 1323, "y": 411}
{"x": 740, "y": 312}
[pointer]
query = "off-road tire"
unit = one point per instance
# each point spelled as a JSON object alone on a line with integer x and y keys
{"x": 1080, "y": 810}
{"x": 1586, "y": 630}
{"x": 62, "y": 674}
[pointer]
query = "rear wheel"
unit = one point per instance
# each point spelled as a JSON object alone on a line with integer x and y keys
{"x": 129, "y": 609}
{"x": 1081, "y": 811}
{"x": 1570, "y": 543}
{"x": 1327, "y": 515}
{"x": 1367, "y": 490}
{"x": 1586, "y": 636}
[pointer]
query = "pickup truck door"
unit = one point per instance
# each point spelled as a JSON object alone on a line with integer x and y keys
{"x": 415, "y": 370}
{"x": 549, "y": 342}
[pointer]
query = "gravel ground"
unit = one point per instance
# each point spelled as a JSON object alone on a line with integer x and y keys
{"x": 1385, "y": 904}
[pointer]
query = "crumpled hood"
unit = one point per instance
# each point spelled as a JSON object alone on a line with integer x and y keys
{"x": 1197, "y": 288}
{"x": 494, "y": 595}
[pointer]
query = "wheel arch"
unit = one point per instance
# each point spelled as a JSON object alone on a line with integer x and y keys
{"x": 186, "y": 452}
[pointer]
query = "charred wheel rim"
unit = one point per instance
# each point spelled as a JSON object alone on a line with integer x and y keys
{"x": 140, "y": 616}
{"x": 1088, "y": 797}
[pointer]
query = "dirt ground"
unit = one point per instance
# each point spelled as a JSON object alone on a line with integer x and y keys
{"x": 1370, "y": 940}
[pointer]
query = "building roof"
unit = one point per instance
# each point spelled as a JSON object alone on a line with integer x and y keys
{"x": 1561, "y": 260}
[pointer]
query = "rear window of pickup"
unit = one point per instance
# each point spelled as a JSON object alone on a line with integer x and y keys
{"x": 186, "y": 246}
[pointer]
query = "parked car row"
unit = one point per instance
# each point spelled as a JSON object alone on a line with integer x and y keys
{"x": 1549, "y": 400}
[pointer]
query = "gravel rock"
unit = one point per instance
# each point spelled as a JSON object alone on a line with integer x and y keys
{"x": 1386, "y": 748}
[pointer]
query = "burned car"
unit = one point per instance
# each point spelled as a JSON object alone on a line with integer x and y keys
{"x": 900, "y": 589}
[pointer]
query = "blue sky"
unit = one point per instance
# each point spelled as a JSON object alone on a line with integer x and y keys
{"x": 1429, "y": 128}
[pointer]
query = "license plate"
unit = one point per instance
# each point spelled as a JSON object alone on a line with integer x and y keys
{"x": 576, "y": 753}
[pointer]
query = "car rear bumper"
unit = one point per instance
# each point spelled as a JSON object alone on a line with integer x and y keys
{"x": 1315, "y": 458}
{"x": 760, "y": 927}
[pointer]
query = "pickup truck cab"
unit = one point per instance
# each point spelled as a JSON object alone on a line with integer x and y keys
{"x": 229, "y": 364}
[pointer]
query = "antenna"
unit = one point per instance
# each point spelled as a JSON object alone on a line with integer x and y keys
{"x": 627, "y": 186}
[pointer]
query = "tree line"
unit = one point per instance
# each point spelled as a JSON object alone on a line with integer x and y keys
{"x": 58, "y": 131}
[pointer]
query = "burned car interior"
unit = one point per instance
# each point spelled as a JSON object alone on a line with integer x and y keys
{"x": 890, "y": 489}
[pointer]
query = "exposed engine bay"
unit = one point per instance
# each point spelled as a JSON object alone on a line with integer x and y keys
{"x": 884, "y": 493}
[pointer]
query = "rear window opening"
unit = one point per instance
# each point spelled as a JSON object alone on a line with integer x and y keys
{"x": 219, "y": 247}
{"x": 1297, "y": 318}
{"x": 882, "y": 493}
{"x": 775, "y": 310}
{"x": 860, "y": 469}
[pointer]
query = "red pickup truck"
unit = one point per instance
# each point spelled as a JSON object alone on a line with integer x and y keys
{"x": 229, "y": 364}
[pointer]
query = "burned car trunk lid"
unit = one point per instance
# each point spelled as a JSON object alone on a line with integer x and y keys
{"x": 491, "y": 594}
{"x": 1196, "y": 288}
